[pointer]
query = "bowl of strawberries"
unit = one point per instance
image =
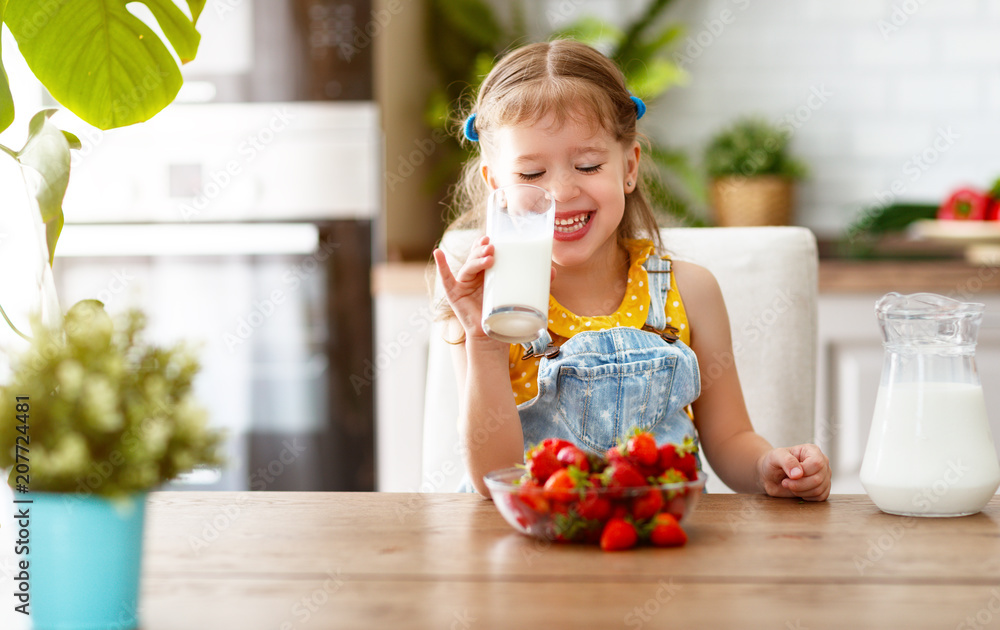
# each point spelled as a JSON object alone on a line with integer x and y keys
{"x": 636, "y": 493}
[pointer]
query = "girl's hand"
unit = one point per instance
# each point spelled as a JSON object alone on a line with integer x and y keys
{"x": 800, "y": 471}
{"x": 464, "y": 290}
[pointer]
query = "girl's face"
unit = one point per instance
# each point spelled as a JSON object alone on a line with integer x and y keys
{"x": 586, "y": 170}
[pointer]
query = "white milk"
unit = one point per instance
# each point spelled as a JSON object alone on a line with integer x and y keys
{"x": 930, "y": 452}
{"x": 519, "y": 278}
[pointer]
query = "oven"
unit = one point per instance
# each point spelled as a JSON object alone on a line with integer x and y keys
{"x": 248, "y": 229}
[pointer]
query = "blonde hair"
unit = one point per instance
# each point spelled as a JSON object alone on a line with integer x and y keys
{"x": 568, "y": 80}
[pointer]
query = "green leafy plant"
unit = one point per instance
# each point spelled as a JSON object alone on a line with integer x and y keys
{"x": 466, "y": 37}
{"x": 103, "y": 64}
{"x": 105, "y": 412}
{"x": 751, "y": 146}
{"x": 861, "y": 238}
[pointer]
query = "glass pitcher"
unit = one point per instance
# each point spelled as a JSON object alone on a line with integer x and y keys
{"x": 930, "y": 451}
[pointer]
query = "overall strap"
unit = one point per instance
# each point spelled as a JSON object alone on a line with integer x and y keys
{"x": 658, "y": 272}
{"x": 538, "y": 346}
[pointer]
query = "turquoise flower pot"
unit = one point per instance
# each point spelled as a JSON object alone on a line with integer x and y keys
{"x": 85, "y": 560}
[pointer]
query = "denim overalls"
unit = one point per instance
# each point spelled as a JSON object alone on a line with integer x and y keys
{"x": 602, "y": 383}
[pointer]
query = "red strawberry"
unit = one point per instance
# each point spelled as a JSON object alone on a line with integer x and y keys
{"x": 558, "y": 507}
{"x": 679, "y": 456}
{"x": 676, "y": 507}
{"x": 670, "y": 477}
{"x": 593, "y": 506}
{"x": 647, "y": 505}
{"x": 555, "y": 444}
{"x": 522, "y": 516}
{"x": 572, "y": 456}
{"x": 597, "y": 462}
{"x": 566, "y": 484}
{"x": 622, "y": 474}
{"x": 667, "y": 457}
{"x": 530, "y": 495}
{"x": 615, "y": 454}
{"x": 667, "y": 531}
{"x": 641, "y": 448}
{"x": 561, "y": 486}
{"x": 618, "y": 534}
{"x": 688, "y": 465}
{"x": 571, "y": 528}
{"x": 541, "y": 463}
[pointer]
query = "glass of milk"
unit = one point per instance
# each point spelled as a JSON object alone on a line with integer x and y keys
{"x": 930, "y": 451}
{"x": 519, "y": 221}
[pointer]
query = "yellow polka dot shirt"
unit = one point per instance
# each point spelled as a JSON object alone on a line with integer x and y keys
{"x": 632, "y": 312}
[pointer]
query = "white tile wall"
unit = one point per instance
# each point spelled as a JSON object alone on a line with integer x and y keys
{"x": 897, "y": 72}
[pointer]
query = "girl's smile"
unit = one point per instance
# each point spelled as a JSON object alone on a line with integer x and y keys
{"x": 571, "y": 226}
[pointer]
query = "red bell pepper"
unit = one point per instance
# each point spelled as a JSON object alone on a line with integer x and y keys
{"x": 993, "y": 211}
{"x": 965, "y": 204}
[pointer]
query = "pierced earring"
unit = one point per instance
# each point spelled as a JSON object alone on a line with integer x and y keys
{"x": 629, "y": 184}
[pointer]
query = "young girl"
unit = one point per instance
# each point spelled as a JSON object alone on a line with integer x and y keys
{"x": 631, "y": 335}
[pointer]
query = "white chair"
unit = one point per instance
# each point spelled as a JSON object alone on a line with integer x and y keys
{"x": 768, "y": 277}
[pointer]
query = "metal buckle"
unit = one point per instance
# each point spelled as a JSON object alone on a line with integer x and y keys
{"x": 668, "y": 334}
{"x": 551, "y": 352}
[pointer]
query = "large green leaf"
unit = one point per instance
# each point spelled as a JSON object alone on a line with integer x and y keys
{"x": 649, "y": 80}
{"x": 47, "y": 152}
{"x": 475, "y": 19}
{"x": 195, "y": 6}
{"x": 635, "y": 32}
{"x": 518, "y": 31}
{"x": 591, "y": 30}
{"x": 664, "y": 39}
{"x": 677, "y": 165}
{"x": 100, "y": 61}
{"x": 6, "y": 100}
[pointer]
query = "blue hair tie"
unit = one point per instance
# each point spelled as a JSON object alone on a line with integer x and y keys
{"x": 640, "y": 108}
{"x": 470, "y": 128}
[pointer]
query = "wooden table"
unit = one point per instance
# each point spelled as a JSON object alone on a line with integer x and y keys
{"x": 366, "y": 560}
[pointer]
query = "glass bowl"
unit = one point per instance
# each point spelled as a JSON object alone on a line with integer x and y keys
{"x": 580, "y": 517}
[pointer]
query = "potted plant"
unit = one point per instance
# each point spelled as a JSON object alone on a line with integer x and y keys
{"x": 93, "y": 419}
{"x": 71, "y": 404}
{"x": 752, "y": 174}
{"x": 75, "y": 49}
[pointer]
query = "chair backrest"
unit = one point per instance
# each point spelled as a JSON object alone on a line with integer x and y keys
{"x": 768, "y": 277}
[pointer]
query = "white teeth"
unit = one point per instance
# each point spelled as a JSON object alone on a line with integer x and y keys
{"x": 572, "y": 224}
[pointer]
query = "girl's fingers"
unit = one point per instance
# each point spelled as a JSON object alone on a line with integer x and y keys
{"x": 473, "y": 267}
{"x": 819, "y": 493}
{"x": 788, "y": 463}
{"x": 812, "y": 458}
{"x": 804, "y": 485}
{"x": 444, "y": 271}
{"x": 479, "y": 260}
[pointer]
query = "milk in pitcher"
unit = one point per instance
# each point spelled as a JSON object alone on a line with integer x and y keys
{"x": 930, "y": 451}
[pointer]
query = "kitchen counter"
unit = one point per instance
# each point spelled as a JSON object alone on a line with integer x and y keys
{"x": 949, "y": 276}
{"x": 836, "y": 275}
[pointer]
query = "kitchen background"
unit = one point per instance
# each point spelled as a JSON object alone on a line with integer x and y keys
{"x": 887, "y": 101}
